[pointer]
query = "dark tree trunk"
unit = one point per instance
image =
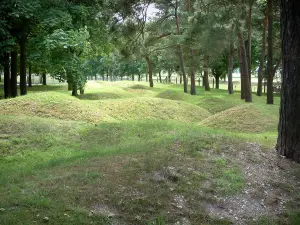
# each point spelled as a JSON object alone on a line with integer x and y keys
{"x": 193, "y": 81}
{"x": 74, "y": 89}
{"x": 29, "y": 76}
{"x": 247, "y": 86}
{"x": 241, "y": 73}
{"x": 13, "y": 78}
{"x": 230, "y": 68}
{"x": 262, "y": 57}
{"x": 44, "y": 78}
{"x": 181, "y": 59}
{"x": 7, "y": 89}
{"x": 169, "y": 75}
{"x": 217, "y": 82}
{"x": 139, "y": 78}
{"x": 132, "y": 77}
{"x": 288, "y": 142}
{"x": 150, "y": 70}
{"x": 159, "y": 74}
{"x": 249, "y": 50}
{"x": 205, "y": 78}
{"x": 270, "y": 97}
{"x": 70, "y": 85}
{"x": 23, "y": 86}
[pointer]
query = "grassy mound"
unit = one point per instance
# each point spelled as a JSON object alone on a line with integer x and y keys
{"x": 172, "y": 95}
{"x": 216, "y": 105}
{"x": 51, "y": 104}
{"x": 244, "y": 118}
{"x": 138, "y": 86}
{"x": 152, "y": 108}
{"x": 100, "y": 96}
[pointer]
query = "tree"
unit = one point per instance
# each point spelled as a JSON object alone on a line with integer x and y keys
{"x": 288, "y": 142}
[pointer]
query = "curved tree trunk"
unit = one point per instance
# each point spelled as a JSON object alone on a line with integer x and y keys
{"x": 262, "y": 57}
{"x": 7, "y": 89}
{"x": 243, "y": 59}
{"x": 288, "y": 142}
{"x": 150, "y": 70}
{"x": 205, "y": 78}
{"x": 23, "y": 83}
{"x": 13, "y": 78}
{"x": 230, "y": 68}
{"x": 270, "y": 97}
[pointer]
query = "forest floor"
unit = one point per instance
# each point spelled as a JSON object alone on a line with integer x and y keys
{"x": 124, "y": 153}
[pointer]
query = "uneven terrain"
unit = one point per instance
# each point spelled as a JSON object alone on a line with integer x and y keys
{"x": 124, "y": 153}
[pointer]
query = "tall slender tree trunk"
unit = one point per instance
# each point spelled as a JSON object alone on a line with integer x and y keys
{"x": 193, "y": 81}
{"x": 288, "y": 142}
{"x": 13, "y": 78}
{"x": 23, "y": 83}
{"x": 205, "y": 77}
{"x": 241, "y": 74}
{"x": 44, "y": 76}
{"x": 181, "y": 59}
{"x": 262, "y": 57}
{"x": 29, "y": 76}
{"x": 230, "y": 67}
{"x": 7, "y": 89}
{"x": 270, "y": 97}
{"x": 150, "y": 70}
{"x": 247, "y": 86}
{"x": 159, "y": 75}
{"x": 249, "y": 50}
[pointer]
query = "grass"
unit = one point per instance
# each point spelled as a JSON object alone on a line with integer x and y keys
{"x": 127, "y": 154}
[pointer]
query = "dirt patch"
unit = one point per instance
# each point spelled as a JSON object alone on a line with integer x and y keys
{"x": 267, "y": 177}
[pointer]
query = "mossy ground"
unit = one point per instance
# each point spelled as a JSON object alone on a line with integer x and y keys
{"x": 125, "y": 153}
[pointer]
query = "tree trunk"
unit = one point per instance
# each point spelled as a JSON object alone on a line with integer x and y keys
{"x": 159, "y": 74}
{"x": 169, "y": 75}
{"x": 241, "y": 73}
{"x": 230, "y": 68}
{"x": 205, "y": 78}
{"x": 243, "y": 61}
{"x": 217, "y": 82}
{"x": 270, "y": 97}
{"x": 150, "y": 70}
{"x": 262, "y": 57}
{"x": 288, "y": 142}
{"x": 29, "y": 76}
{"x": 44, "y": 78}
{"x": 181, "y": 59}
{"x": 23, "y": 86}
{"x": 70, "y": 85}
{"x": 13, "y": 79}
{"x": 7, "y": 88}
{"x": 249, "y": 50}
{"x": 193, "y": 81}
{"x": 74, "y": 89}
{"x": 139, "y": 77}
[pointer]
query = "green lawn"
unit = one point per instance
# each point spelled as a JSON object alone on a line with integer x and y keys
{"x": 124, "y": 153}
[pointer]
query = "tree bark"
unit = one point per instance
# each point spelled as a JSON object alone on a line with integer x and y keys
{"x": 262, "y": 57}
{"x": 44, "y": 76}
{"x": 150, "y": 70}
{"x": 288, "y": 142}
{"x": 247, "y": 86}
{"x": 205, "y": 78}
{"x": 23, "y": 83}
{"x": 169, "y": 75}
{"x": 241, "y": 73}
{"x": 74, "y": 89}
{"x": 7, "y": 89}
{"x": 249, "y": 50}
{"x": 270, "y": 97}
{"x": 217, "y": 82}
{"x": 181, "y": 59}
{"x": 230, "y": 67}
{"x": 29, "y": 76}
{"x": 159, "y": 74}
{"x": 13, "y": 79}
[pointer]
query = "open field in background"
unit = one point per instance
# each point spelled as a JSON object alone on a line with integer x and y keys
{"x": 124, "y": 153}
